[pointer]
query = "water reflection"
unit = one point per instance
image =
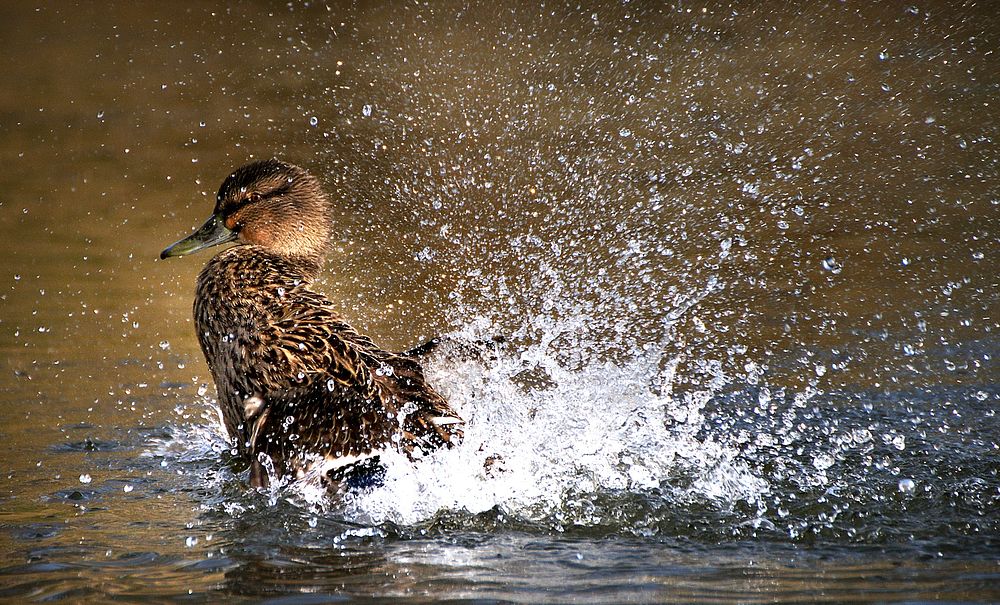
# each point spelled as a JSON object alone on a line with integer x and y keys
{"x": 749, "y": 247}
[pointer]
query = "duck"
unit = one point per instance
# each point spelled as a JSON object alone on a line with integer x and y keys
{"x": 301, "y": 392}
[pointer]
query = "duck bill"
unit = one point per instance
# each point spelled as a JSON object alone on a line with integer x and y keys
{"x": 212, "y": 233}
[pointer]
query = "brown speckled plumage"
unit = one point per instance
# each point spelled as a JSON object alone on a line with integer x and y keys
{"x": 298, "y": 387}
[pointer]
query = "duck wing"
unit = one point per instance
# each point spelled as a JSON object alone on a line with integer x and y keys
{"x": 339, "y": 394}
{"x": 306, "y": 341}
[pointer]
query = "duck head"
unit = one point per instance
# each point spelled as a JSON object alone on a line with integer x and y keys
{"x": 268, "y": 203}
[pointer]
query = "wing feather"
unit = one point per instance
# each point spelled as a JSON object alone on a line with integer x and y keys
{"x": 357, "y": 398}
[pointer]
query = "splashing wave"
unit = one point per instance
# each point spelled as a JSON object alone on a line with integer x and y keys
{"x": 540, "y": 436}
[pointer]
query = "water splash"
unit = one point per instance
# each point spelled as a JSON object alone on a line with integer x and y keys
{"x": 634, "y": 445}
{"x": 539, "y": 435}
{"x": 555, "y": 433}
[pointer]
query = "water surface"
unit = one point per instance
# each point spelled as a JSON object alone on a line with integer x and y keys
{"x": 744, "y": 257}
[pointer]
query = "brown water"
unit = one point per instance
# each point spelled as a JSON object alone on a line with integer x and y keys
{"x": 745, "y": 257}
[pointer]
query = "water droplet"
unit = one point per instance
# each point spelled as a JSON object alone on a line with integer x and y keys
{"x": 831, "y": 265}
{"x": 100, "y": 115}
{"x": 907, "y": 486}
{"x": 313, "y": 121}
{"x": 823, "y": 461}
{"x": 202, "y": 389}
{"x": 164, "y": 344}
{"x": 190, "y": 542}
{"x": 127, "y": 488}
{"x": 85, "y": 478}
{"x": 366, "y": 110}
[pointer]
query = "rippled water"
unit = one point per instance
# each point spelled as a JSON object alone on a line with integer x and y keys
{"x": 743, "y": 257}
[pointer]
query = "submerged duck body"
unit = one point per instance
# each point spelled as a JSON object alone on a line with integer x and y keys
{"x": 301, "y": 391}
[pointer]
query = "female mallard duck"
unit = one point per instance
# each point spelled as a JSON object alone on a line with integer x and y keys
{"x": 298, "y": 387}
